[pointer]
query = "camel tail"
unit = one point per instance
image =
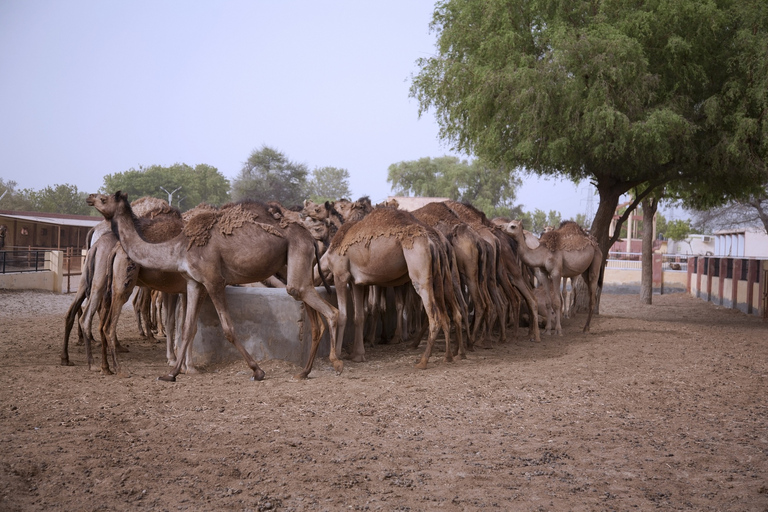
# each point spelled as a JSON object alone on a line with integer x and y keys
{"x": 481, "y": 262}
{"x": 320, "y": 270}
{"x": 89, "y": 237}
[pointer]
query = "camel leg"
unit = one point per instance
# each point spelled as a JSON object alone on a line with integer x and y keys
{"x": 342, "y": 300}
{"x": 358, "y": 299}
{"x": 554, "y": 294}
{"x": 218, "y": 297}
{"x": 399, "y": 292}
{"x": 72, "y": 313}
{"x": 524, "y": 289}
{"x": 195, "y": 294}
{"x": 170, "y": 301}
{"x": 318, "y": 306}
{"x": 318, "y": 328}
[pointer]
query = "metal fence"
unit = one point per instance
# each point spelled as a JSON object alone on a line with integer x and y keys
{"x": 634, "y": 261}
{"x": 24, "y": 260}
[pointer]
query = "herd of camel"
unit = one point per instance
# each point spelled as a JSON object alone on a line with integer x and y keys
{"x": 450, "y": 267}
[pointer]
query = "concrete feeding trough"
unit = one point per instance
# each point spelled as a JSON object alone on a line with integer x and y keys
{"x": 268, "y": 322}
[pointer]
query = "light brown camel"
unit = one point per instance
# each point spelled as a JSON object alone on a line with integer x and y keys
{"x": 158, "y": 222}
{"x": 508, "y": 273}
{"x": 471, "y": 255}
{"x": 387, "y": 247}
{"x": 240, "y": 243}
{"x": 351, "y": 211}
{"x": 567, "y": 251}
{"x": 94, "y": 283}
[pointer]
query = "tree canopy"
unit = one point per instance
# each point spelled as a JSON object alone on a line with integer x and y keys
{"x": 52, "y": 199}
{"x": 268, "y": 175}
{"x": 489, "y": 188}
{"x": 328, "y": 184}
{"x": 622, "y": 93}
{"x": 187, "y": 186}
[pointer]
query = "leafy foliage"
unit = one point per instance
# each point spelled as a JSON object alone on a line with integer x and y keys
{"x": 620, "y": 92}
{"x": 268, "y": 175}
{"x": 60, "y": 199}
{"x": 537, "y": 221}
{"x": 328, "y": 184}
{"x": 202, "y": 183}
{"x": 491, "y": 189}
{"x": 13, "y": 199}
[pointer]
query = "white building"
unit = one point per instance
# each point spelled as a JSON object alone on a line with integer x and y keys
{"x": 741, "y": 243}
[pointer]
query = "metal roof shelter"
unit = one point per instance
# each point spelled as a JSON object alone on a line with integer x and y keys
{"x": 41, "y": 230}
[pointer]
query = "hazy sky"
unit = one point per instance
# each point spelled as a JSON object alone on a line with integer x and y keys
{"x": 89, "y": 88}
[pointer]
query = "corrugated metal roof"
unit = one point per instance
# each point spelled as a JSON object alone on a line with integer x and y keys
{"x": 56, "y": 221}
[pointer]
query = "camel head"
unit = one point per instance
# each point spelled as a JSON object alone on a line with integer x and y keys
{"x": 317, "y": 211}
{"x": 513, "y": 228}
{"x": 107, "y": 204}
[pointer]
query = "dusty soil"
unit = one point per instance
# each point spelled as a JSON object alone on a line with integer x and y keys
{"x": 660, "y": 407}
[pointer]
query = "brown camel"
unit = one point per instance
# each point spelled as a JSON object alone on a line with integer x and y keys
{"x": 508, "y": 273}
{"x": 158, "y": 222}
{"x": 93, "y": 286}
{"x": 471, "y": 255}
{"x": 238, "y": 244}
{"x": 387, "y": 247}
{"x": 567, "y": 251}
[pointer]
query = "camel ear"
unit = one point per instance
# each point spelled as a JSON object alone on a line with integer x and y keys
{"x": 306, "y": 202}
{"x": 328, "y": 205}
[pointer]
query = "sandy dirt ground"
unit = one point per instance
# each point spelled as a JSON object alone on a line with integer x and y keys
{"x": 661, "y": 407}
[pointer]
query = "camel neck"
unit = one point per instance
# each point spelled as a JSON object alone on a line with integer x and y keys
{"x": 157, "y": 256}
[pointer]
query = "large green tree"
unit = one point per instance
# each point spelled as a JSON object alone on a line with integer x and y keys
{"x": 623, "y": 93}
{"x": 12, "y": 199}
{"x": 268, "y": 175}
{"x": 328, "y": 184}
{"x": 59, "y": 199}
{"x": 489, "y": 188}
{"x": 185, "y": 186}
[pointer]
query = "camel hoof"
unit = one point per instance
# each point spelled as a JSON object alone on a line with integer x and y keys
{"x": 358, "y": 358}
{"x": 191, "y": 370}
{"x": 67, "y": 362}
{"x": 421, "y": 365}
{"x": 167, "y": 378}
{"x": 258, "y": 375}
{"x": 106, "y": 371}
{"x": 301, "y": 376}
{"x": 338, "y": 366}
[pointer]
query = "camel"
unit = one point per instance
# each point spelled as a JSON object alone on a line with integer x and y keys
{"x": 471, "y": 255}
{"x": 568, "y": 251}
{"x": 157, "y": 222}
{"x": 237, "y": 244}
{"x": 387, "y": 247}
{"x": 508, "y": 273}
{"x": 353, "y": 210}
{"x": 93, "y": 286}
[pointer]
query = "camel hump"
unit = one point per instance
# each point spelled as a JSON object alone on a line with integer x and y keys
{"x": 568, "y": 237}
{"x": 150, "y": 207}
{"x": 230, "y": 217}
{"x": 381, "y": 222}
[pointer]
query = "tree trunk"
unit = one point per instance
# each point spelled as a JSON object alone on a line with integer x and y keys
{"x": 650, "y": 204}
{"x": 601, "y": 225}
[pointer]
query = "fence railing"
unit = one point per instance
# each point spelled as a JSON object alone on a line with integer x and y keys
{"x": 24, "y": 260}
{"x": 633, "y": 261}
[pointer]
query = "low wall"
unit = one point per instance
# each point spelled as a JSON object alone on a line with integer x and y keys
{"x": 268, "y": 322}
{"x": 52, "y": 279}
{"x": 628, "y": 281}
{"x": 49, "y": 280}
{"x": 737, "y": 283}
